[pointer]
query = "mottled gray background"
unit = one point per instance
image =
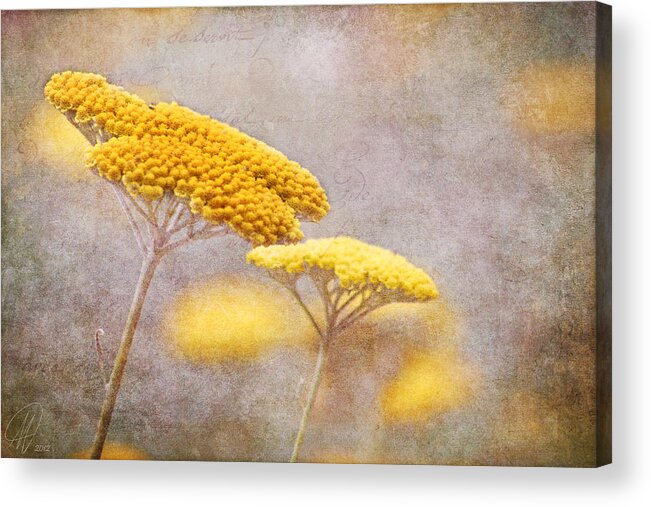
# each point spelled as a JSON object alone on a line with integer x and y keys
{"x": 459, "y": 136}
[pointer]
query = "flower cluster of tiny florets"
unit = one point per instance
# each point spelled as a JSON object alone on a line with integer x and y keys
{"x": 226, "y": 175}
{"x": 355, "y": 264}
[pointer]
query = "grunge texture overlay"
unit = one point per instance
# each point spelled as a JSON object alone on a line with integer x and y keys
{"x": 460, "y": 136}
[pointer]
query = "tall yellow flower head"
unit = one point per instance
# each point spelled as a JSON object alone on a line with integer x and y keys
{"x": 356, "y": 265}
{"x": 224, "y": 175}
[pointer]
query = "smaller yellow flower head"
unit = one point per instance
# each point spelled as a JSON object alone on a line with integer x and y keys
{"x": 355, "y": 264}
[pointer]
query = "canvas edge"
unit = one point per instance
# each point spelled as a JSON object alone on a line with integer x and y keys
{"x": 603, "y": 234}
{"x": 603, "y": 237}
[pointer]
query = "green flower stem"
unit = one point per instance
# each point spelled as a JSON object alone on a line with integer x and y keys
{"x": 318, "y": 370}
{"x": 149, "y": 264}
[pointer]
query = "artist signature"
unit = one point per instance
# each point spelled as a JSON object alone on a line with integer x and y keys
{"x": 23, "y": 426}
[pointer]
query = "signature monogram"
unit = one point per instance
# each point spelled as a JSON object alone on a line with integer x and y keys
{"x": 23, "y": 426}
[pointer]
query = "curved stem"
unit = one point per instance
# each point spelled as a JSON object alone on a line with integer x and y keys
{"x": 149, "y": 264}
{"x": 100, "y": 357}
{"x": 355, "y": 316}
{"x": 147, "y": 216}
{"x": 318, "y": 369}
{"x": 308, "y": 313}
{"x": 320, "y": 361}
{"x": 206, "y": 233}
{"x": 119, "y": 192}
{"x": 352, "y": 296}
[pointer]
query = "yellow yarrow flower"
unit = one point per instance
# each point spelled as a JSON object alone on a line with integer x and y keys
{"x": 225, "y": 175}
{"x": 355, "y": 264}
{"x": 352, "y": 279}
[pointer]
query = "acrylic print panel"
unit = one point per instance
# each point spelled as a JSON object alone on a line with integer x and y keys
{"x": 352, "y": 234}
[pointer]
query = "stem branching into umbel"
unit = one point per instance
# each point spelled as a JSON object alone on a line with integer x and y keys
{"x": 167, "y": 226}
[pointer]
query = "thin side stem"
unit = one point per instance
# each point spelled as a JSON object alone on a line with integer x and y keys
{"x": 356, "y": 315}
{"x": 338, "y": 294}
{"x": 308, "y": 313}
{"x": 100, "y": 357}
{"x": 332, "y": 328}
{"x": 321, "y": 285}
{"x": 147, "y": 216}
{"x": 180, "y": 226}
{"x": 134, "y": 225}
{"x": 352, "y": 296}
{"x": 204, "y": 234}
{"x": 318, "y": 370}
{"x": 149, "y": 264}
{"x": 173, "y": 212}
{"x": 149, "y": 208}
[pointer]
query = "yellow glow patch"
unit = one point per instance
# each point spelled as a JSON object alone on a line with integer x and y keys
{"x": 58, "y": 141}
{"x": 235, "y": 319}
{"x": 559, "y": 97}
{"x": 429, "y": 383}
{"x": 113, "y": 450}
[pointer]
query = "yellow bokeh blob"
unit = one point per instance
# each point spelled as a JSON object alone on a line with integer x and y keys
{"x": 235, "y": 319}
{"x": 429, "y": 383}
{"x": 113, "y": 450}
{"x": 555, "y": 97}
{"x": 58, "y": 142}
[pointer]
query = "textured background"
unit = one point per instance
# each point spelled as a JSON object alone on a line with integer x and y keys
{"x": 459, "y": 136}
